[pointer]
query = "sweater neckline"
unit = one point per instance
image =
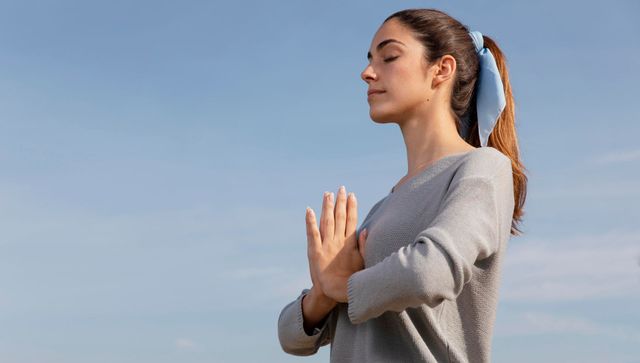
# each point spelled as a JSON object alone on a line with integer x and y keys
{"x": 428, "y": 170}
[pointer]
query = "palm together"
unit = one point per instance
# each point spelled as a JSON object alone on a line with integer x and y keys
{"x": 333, "y": 250}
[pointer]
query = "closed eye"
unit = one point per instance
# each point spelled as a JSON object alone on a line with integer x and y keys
{"x": 390, "y": 59}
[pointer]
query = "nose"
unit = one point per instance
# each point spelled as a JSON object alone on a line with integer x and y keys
{"x": 368, "y": 74}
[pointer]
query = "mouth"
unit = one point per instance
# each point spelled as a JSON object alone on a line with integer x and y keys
{"x": 371, "y": 93}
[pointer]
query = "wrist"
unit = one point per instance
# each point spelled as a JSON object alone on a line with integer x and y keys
{"x": 319, "y": 299}
{"x": 336, "y": 288}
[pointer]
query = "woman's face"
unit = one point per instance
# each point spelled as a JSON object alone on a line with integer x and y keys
{"x": 397, "y": 67}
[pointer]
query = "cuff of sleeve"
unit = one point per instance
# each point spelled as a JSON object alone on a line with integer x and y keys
{"x": 300, "y": 321}
{"x": 354, "y": 309}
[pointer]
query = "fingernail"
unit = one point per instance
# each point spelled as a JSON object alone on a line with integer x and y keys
{"x": 342, "y": 189}
{"x": 331, "y": 197}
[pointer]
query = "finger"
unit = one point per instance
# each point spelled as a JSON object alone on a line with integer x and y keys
{"x": 352, "y": 214}
{"x": 314, "y": 241}
{"x": 327, "y": 215}
{"x": 323, "y": 226}
{"x": 362, "y": 239}
{"x": 340, "y": 213}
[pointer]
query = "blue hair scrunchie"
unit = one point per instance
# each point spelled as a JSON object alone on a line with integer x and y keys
{"x": 490, "y": 98}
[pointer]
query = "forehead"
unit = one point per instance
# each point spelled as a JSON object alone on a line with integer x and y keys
{"x": 392, "y": 29}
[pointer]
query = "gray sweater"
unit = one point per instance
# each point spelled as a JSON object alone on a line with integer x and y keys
{"x": 429, "y": 289}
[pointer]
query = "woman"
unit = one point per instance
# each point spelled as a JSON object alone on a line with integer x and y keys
{"x": 420, "y": 283}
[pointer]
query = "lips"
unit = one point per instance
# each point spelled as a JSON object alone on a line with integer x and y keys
{"x": 374, "y": 91}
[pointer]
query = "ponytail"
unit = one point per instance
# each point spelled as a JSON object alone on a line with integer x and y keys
{"x": 504, "y": 136}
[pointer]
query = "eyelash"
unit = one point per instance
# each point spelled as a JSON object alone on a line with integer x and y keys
{"x": 390, "y": 59}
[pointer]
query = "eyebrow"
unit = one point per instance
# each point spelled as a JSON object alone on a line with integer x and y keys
{"x": 382, "y": 44}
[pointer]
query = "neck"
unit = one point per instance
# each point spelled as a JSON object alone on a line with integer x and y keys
{"x": 430, "y": 136}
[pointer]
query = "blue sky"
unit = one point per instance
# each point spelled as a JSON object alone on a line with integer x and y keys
{"x": 156, "y": 159}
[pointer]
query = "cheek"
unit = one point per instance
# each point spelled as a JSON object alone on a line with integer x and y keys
{"x": 408, "y": 85}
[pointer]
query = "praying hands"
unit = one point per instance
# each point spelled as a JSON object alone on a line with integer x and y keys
{"x": 333, "y": 251}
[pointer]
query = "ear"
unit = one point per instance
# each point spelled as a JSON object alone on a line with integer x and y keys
{"x": 444, "y": 70}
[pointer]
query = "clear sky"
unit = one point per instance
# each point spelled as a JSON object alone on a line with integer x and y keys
{"x": 157, "y": 157}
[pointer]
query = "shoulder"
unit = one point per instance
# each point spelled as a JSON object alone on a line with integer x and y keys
{"x": 484, "y": 173}
{"x": 483, "y": 162}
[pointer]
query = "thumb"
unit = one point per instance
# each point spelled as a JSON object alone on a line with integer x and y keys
{"x": 362, "y": 239}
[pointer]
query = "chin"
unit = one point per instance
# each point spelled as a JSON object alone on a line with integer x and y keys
{"x": 381, "y": 115}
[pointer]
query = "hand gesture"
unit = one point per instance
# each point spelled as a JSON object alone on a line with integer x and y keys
{"x": 332, "y": 250}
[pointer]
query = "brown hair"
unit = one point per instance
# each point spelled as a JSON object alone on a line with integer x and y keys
{"x": 441, "y": 34}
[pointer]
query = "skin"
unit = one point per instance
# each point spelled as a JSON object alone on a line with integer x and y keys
{"x": 417, "y": 97}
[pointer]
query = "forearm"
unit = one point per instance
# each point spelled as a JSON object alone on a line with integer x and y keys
{"x": 315, "y": 307}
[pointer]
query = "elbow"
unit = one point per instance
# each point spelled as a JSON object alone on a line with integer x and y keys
{"x": 445, "y": 278}
{"x": 434, "y": 298}
{"x": 434, "y": 289}
{"x": 291, "y": 342}
{"x": 430, "y": 298}
{"x": 298, "y": 351}
{"x": 289, "y": 346}
{"x": 434, "y": 293}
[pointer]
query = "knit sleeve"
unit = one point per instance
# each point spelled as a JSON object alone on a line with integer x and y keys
{"x": 293, "y": 338}
{"x": 439, "y": 262}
